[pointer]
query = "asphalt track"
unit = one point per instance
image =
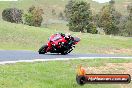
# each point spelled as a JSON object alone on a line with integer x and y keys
{"x": 17, "y": 55}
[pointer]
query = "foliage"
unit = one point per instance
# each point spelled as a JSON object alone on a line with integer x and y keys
{"x": 93, "y": 29}
{"x": 126, "y": 23}
{"x": 129, "y": 8}
{"x": 80, "y": 18}
{"x": 128, "y": 29}
{"x": 34, "y": 16}
{"x": 109, "y": 18}
{"x": 129, "y": 21}
{"x": 13, "y": 15}
{"x": 68, "y": 9}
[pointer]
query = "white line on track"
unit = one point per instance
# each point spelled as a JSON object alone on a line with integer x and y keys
{"x": 59, "y": 59}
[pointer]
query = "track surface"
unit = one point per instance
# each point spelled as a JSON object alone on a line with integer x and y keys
{"x": 15, "y": 55}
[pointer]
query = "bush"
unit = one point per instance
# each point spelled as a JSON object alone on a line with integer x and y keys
{"x": 34, "y": 16}
{"x": 128, "y": 29}
{"x": 68, "y": 9}
{"x": 129, "y": 21}
{"x": 126, "y": 23}
{"x": 109, "y": 19}
{"x": 80, "y": 18}
{"x": 13, "y": 15}
{"x": 93, "y": 29}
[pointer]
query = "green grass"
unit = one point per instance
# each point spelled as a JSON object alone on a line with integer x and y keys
{"x": 58, "y": 27}
{"x": 23, "y": 37}
{"x": 58, "y": 5}
{"x": 46, "y": 5}
{"x": 54, "y": 74}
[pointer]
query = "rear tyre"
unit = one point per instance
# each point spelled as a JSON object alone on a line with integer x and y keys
{"x": 42, "y": 50}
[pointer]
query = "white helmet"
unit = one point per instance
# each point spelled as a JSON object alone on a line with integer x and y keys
{"x": 67, "y": 35}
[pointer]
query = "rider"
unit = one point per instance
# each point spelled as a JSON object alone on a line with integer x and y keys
{"x": 69, "y": 39}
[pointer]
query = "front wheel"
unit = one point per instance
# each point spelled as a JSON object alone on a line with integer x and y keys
{"x": 43, "y": 49}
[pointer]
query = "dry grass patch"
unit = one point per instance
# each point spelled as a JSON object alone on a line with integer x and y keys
{"x": 113, "y": 68}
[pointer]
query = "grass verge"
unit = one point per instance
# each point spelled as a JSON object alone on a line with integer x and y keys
{"x": 23, "y": 37}
{"x": 54, "y": 74}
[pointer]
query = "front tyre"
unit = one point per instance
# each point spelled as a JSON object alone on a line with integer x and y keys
{"x": 43, "y": 49}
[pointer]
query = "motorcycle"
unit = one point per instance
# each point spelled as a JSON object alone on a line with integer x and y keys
{"x": 59, "y": 43}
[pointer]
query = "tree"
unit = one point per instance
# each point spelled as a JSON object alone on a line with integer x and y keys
{"x": 109, "y": 18}
{"x": 129, "y": 9}
{"x": 111, "y": 2}
{"x": 128, "y": 29}
{"x": 125, "y": 25}
{"x": 34, "y": 16}
{"x": 13, "y": 15}
{"x": 68, "y": 9}
{"x": 80, "y": 18}
{"x": 128, "y": 25}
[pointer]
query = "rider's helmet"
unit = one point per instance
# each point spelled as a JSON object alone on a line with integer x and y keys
{"x": 67, "y": 36}
{"x": 62, "y": 34}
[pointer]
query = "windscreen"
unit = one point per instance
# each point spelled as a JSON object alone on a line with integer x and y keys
{"x": 56, "y": 37}
{"x": 76, "y": 39}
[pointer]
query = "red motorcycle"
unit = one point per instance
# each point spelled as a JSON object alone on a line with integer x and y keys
{"x": 59, "y": 43}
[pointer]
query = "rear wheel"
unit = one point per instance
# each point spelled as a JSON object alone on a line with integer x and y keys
{"x": 42, "y": 50}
